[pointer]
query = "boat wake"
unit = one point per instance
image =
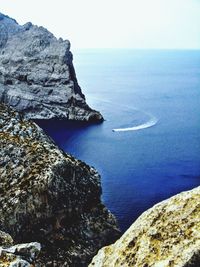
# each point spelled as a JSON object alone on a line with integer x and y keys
{"x": 142, "y": 119}
{"x": 145, "y": 125}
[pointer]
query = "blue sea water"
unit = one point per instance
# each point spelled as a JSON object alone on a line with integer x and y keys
{"x": 157, "y": 92}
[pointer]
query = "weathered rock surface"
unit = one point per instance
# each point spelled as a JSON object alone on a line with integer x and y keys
{"x": 49, "y": 197}
{"x": 37, "y": 76}
{"x": 5, "y": 239}
{"x": 166, "y": 235}
{"x": 22, "y": 255}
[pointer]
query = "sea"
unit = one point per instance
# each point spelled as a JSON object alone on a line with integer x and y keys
{"x": 148, "y": 147}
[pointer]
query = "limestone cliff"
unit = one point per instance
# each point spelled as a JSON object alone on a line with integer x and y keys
{"x": 37, "y": 76}
{"x": 166, "y": 235}
{"x": 49, "y": 197}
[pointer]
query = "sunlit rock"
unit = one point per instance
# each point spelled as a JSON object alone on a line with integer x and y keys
{"x": 166, "y": 235}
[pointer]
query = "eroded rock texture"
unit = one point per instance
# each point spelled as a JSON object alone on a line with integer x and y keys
{"x": 166, "y": 235}
{"x": 21, "y": 255}
{"x": 49, "y": 197}
{"x": 37, "y": 76}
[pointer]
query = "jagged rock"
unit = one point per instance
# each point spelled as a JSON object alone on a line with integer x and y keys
{"x": 22, "y": 255}
{"x": 49, "y": 196}
{"x": 166, "y": 235}
{"x": 37, "y": 76}
{"x": 29, "y": 251}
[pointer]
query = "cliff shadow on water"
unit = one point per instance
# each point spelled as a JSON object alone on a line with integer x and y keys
{"x": 62, "y": 130}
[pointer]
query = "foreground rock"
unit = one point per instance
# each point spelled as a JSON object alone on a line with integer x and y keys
{"x": 49, "y": 197}
{"x": 23, "y": 255}
{"x": 37, "y": 76}
{"x": 166, "y": 235}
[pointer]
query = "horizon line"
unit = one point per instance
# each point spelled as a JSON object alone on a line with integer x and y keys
{"x": 130, "y": 48}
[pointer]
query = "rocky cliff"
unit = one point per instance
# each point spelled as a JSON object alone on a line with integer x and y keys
{"x": 49, "y": 197}
{"x": 166, "y": 235}
{"x": 37, "y": 76}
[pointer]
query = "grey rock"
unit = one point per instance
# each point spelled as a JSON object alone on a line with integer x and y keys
{"x": 37, "y": 75}
{"x": 20, "y": 255}
{"x": 29, "y": 251}
{"x": 49, "y": 196}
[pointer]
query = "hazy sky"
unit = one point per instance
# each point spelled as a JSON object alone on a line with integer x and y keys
{"x": 114, "y": 23}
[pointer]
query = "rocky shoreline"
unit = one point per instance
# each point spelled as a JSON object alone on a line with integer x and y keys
{"x": 49, "y": 197}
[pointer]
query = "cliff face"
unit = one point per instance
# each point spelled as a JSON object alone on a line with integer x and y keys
{"x": 37, "y": 76}
{"x": 49, "y": 196}
{"x": 166, "y": 235}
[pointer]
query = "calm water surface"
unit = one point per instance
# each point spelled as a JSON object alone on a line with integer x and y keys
{"x": 155, "y": 91}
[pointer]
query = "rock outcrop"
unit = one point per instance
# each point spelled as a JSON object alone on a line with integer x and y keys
{"x": 37, "y": 76}
{"x": 22, "y": 255}
{"x": 49, "y": 197}
{"x": 166, "y": 235}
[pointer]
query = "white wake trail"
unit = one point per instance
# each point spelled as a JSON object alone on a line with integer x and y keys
{"x": 145, "y": 125}
{"x": 151, "y": 122}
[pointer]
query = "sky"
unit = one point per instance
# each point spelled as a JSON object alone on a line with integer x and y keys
{"x": 163, "y": 24}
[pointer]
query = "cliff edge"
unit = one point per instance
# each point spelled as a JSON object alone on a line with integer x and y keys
{"x": 37, "y": 75}
{"x": 50, "y": 197}
{"x": 166, "y": 235}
